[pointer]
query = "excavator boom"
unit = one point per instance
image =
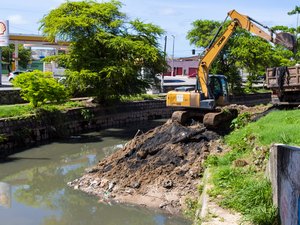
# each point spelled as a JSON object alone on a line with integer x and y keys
{"x": 213, "y": 89}
{"x": 247, "y": 23}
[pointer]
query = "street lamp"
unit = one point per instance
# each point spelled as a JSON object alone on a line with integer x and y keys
{"x": 172, "y": 72}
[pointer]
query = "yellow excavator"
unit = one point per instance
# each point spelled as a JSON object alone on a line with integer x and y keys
{"x": 212, "y": 90}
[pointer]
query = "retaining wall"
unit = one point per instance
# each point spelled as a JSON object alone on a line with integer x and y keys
{"x": 17, "y": 134}
{"x": 250, "y": 99}
{"x": 284, "y": 170}
{"x": 11, "y": 96}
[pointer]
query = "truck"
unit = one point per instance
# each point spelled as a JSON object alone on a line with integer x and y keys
{"x": 211, "y": 91}
{"x": 284, "y": 83}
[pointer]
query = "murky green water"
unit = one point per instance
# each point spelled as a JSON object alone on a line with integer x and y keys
{"x": 33, "y": 188}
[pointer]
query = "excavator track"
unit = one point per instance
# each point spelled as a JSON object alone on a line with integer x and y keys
{"x": 219, "y": 119}
{"x": 209, "y": 119}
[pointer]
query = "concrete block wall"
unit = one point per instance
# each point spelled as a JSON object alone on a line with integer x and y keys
{"x": 10, "y": 97}
{"x": 18, "y": 134}
{"x": 284, "y": 170}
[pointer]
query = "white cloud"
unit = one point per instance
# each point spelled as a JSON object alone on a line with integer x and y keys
{"x": 17, "y": 20}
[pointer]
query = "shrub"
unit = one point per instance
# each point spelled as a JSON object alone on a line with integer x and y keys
{"x": 40, "y": 87}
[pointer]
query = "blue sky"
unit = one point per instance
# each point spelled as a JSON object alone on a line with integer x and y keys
{"x": 174, "y": 16}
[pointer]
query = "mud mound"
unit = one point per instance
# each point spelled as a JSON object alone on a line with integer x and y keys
{"x": 157, "y": 169}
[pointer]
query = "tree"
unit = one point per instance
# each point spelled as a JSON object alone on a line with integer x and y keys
{"x": 254, "y": 54}
{"x": 24, "y": 55}
{"x": 108, "y": 52}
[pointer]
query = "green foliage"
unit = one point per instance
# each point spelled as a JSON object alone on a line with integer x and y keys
{"x": 22, "y": 110}
{"x": 277, "y": 126}
{"x": 139, "y": 97}
{"x": 24, "y": 54}
{"x": 242, "y": 120}
{"x": 109, "y": 55}
{"x": 3, "y": 138}
{"x": 246, "y": 192}
{"x": 191, "y": 207}
{"x": 38, "y": 88}
{"x": 227, "y": 159}
{"x": 15, "y": 110}
{"x": 87, "y": 114}
{"x": 202, "y": 32}
{"x": 243, "y": 187}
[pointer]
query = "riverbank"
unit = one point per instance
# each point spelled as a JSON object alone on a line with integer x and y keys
{"x": 21, "y": 133}
{"x": 162, "y": 168}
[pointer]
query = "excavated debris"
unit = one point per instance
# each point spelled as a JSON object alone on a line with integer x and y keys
{"x": 157, "y": 169}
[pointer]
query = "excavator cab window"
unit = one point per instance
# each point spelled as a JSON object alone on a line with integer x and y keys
{"x": 215, "y": 85}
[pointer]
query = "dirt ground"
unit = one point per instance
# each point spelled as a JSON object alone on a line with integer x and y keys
{"x": 157, "y": 169}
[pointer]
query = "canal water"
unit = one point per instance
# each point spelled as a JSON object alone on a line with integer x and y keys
{"x": 34, "y": 191}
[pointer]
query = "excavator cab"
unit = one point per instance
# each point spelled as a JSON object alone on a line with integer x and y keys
{"x": 217, "y": 88}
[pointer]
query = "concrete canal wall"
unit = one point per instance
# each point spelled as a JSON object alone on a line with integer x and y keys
{"x": 284, "y": 170}
{"x": 11, "y": 96}
{"x": 17, "y": 134}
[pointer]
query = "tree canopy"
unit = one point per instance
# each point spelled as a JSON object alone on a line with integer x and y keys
{"x": 109, "y": 54}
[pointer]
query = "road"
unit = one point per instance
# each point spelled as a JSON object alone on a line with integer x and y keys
{"x": 5, "y": 84}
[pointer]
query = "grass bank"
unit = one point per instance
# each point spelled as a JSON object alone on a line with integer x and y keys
{"x": 239, "y": 175}
{"x": 19, "y": 110}
{"x": 23, "y": 110}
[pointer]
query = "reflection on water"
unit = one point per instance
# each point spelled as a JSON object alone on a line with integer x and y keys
{"x": 33, "y": 185}
{"x": 5, "y": 195}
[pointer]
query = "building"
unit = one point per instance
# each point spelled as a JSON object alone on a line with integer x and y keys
{"x": 186, "y": 66}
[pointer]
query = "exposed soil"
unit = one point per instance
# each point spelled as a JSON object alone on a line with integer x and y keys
{"x": 158, "y": 169}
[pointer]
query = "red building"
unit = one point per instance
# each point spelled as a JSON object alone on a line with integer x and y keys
{"x": 186, "y": 66}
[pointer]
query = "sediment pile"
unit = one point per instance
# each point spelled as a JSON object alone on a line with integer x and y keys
{"x": 159, "y": 169}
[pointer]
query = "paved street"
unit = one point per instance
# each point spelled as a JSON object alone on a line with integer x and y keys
{"x": 5, "y": 84}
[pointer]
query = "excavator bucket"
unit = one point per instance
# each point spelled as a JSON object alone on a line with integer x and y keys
{"x": 286, "y": 39}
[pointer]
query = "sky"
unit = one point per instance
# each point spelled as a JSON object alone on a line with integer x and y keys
{"x": 174, "y": 16}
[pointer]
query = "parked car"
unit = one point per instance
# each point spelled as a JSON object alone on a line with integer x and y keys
{"x": 15, "y": 73}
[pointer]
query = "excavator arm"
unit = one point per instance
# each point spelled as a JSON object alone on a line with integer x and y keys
{"x": 247, "y": 23}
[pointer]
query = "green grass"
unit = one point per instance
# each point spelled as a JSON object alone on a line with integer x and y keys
{"x": 139, "y": 97}
{"x": 277, "y": 127}
{"x": 245, "y": 188}
{"x": 23, "y": 110}
{"x": 15, "y": 110}
{"x": 26, "y": 109}
{"x": 245, "y": 191}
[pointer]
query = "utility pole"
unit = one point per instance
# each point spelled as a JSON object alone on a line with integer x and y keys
{"x": 172, "y": 72}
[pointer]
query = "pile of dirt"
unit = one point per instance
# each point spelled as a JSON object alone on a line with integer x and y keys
{"x": 157, "y": 169}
